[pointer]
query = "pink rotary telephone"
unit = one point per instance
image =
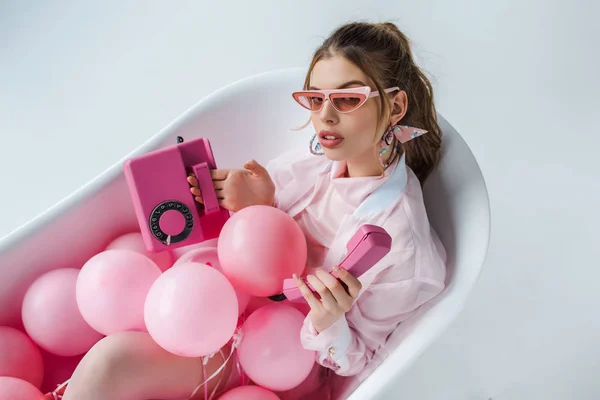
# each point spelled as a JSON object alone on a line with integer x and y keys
{"x": 166, "y": 211}
{"x": 368, "y": 245}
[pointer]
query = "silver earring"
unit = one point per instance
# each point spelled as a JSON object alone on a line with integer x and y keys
{"x": 315, "y": 149}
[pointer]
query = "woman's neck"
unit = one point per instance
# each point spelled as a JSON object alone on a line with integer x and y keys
{"x": 366, "y": 164}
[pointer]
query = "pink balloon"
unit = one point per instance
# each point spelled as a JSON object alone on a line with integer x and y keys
{"x": 257, "y": 302}
{"x": 112, "y": 288}
{"x": 209, "y": 256}
{"x": 302, "y": 306}
{"x": 19, "y": 356}
{"x": 270, "y": 351}
{"x": 191, "y": 310}
{"x": 57, "y": 370}
{"x": 18, "y": 389}
{"x": 180, "y": 251}
{"x": 249, "y": 393}
{"x": 259, "y": 247}
{"x": 134, "y": 242}
{"x": 51, "y": 316}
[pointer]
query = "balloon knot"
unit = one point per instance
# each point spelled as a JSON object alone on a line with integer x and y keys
{"x": 236, "y": 339}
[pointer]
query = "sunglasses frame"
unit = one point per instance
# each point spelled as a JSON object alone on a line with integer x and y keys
{"x": 326, "y": 95}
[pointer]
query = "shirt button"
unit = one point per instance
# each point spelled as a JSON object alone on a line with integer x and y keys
{"x": 331, "y": 351}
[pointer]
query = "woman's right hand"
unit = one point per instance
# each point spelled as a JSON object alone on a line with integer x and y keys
{"x": 239, "y": 188}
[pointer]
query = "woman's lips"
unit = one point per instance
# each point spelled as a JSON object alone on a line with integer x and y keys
{"x": 329, "y": 139}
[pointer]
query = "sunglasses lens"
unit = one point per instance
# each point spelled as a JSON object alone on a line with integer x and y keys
{"x": 347, "y": 102}
{"x": 310, "y": 101}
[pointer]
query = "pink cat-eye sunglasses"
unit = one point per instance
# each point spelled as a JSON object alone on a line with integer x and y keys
{"x": 343, "y": 100}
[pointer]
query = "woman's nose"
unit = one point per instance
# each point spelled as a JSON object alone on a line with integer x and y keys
{"x": 328, "y": 114}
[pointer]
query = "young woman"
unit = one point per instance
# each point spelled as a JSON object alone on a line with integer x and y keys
{"x": 376, "y": 141}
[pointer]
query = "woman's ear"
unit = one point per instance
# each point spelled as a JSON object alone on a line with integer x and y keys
{"x": 399, "y": 107}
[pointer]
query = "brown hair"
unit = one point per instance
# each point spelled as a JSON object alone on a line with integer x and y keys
{"x": 383, "y": 53}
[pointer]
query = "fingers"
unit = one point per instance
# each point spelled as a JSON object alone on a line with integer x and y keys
{"x": 343, "y": 299}
{"x": 255, "y": 168}
{"x": 219, "y": 174}
{"x": 192, "y": 180}
{"x": 220, "y": 199}
{"x": 250, "y": 165}
{"x": 219, "y": 185}
{"x": 353, "y": 284}
{"x": 327, "y": 298}
{"x": 195, "y": 190}
{"x": 308, "y": 295}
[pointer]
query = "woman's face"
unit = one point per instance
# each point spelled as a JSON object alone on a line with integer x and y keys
{"x": 355, "y": 132}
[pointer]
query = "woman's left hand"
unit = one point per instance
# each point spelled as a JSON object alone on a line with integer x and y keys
{"x": 335, "y": 300}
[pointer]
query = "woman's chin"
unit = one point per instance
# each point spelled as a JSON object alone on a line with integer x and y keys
{"x": 335, "y": 154}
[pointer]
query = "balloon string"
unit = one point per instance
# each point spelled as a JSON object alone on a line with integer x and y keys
{"x": 204, "y": 375}
{"x": 55, "y": 394}
{"x": 236, "y": 340}
{"x": 241, "y": 374}
{"x": 219, "y": 382}
{"x": 204, "y": 363}
{"x": 210, "y": 377}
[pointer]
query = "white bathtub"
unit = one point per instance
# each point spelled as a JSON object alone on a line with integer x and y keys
{"x": 239, "y": 128}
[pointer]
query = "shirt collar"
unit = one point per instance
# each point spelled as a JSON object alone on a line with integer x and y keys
{"x": 369, "y": 194}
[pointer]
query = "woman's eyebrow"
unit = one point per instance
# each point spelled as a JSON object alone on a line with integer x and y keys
{"x": 345, "y": 85}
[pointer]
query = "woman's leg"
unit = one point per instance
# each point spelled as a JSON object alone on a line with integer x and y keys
{"x": 131, "y": 366}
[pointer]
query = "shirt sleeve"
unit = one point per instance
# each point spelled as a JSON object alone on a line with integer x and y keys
{"x": 289, "y": 174}
{"x": 280, "y": 174}
{"x": 348, "y": 345}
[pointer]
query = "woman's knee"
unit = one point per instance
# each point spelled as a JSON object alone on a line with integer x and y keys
{"x": 100, "y": 372}
{"x": 127, "y": 360}
{"x": 114, "y": 354}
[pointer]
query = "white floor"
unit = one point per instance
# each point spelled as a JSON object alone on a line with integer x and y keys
{"x": 82, "y": 84}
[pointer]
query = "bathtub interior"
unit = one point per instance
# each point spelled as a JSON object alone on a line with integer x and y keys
{"x": 254, "y": 118}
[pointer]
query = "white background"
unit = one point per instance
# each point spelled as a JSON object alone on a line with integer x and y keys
{"x": 82, "y": 84}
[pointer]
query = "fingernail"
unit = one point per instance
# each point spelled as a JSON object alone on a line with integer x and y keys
{"x": 336, "y": 268}
{"x": 295, "y": 276}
